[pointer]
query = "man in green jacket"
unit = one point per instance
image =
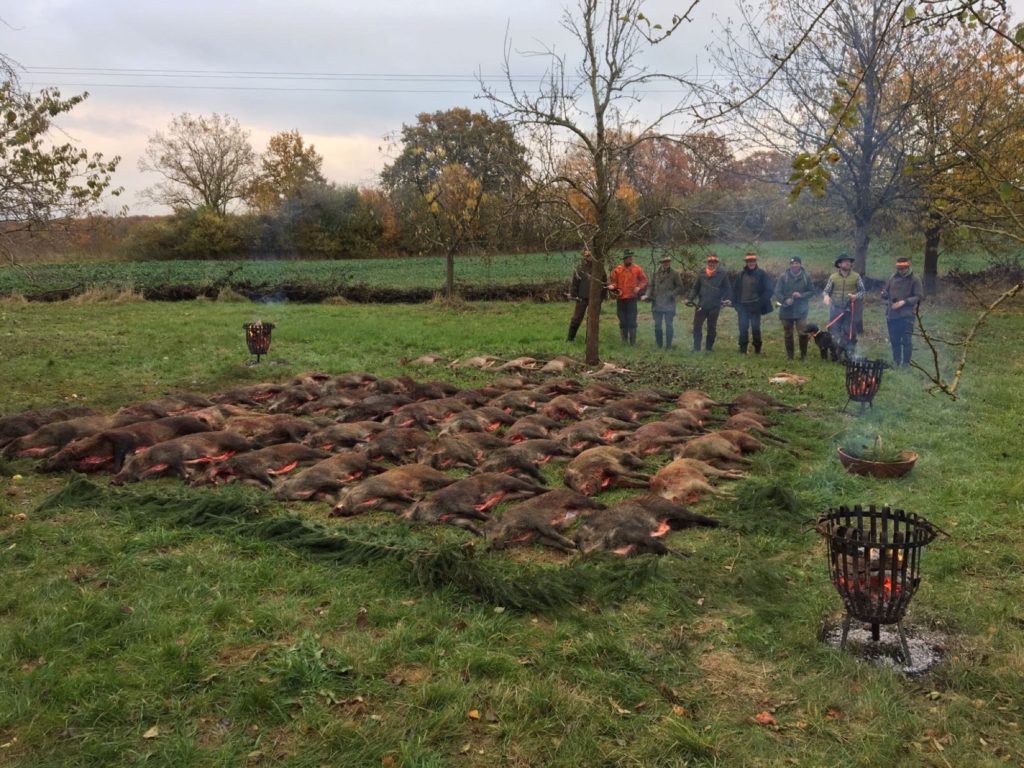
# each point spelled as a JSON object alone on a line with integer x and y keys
{"x": 793, "y": 291}
{"x": 902, "y": 293}
{"x": 844, "y": 297}
{"x": 752, "y": 297}
{"x": 709, "y": 294}
{"x": 663, "y": 291}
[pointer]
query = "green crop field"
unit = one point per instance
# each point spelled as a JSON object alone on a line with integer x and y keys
{"x": 325, "y": 278}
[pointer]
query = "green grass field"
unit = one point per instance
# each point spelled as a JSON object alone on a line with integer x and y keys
{"x": 162, "y": 625}
{"x": 420, "y": 272}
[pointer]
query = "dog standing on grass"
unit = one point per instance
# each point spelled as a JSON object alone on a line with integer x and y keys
{"x": 826, "y": 344}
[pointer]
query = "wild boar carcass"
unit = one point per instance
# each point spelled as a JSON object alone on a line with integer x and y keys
{"x": 324, "y": 479}
{"x": 714, "y": 449}
{"x": 693, "y": 398}
{"x": 605, "y": 467}
{"x": 681, "y": 482}
{"x": 449, "y": 452}
{"x": 19, "y": 424}
{"x": 561, "y": 408}
{"x": 343, "y": 435}
{"x": 592, "y": 432}
{"x": 397, "y": 444}
{"x": 262, "y": 467}
{"x": 393, "y": 490}
{"x": 182, "y": 455}
{"x": 109, "y": 449}
{"x": 540, "y": 519}
{"x": 758, "y": 403}
{"x": 50, "y": 438}
{"x": 468, "y": 499}
{"x": 534, "y": 426}
{"x": 657, "y": 436}
{"x": 635, "y": 527}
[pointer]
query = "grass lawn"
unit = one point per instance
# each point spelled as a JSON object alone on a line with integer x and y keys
{"x": 163, "y": 625}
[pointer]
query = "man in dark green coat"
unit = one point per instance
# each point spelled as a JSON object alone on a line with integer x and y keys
{"x": 793, "y": 291}
{"x": 709, "y": 294}
{"x": 752, "y": 297}
{"x": 663, "y": 291}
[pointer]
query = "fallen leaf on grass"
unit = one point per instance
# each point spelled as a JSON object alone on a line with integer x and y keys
{"x": 833, "y": 714}
{"x": 765, "y": 718}
{"x": 362, "y": 619}
{"x": 617, "y": 708}
{"x": 152, "y": 733}
{"x": 679, "y": 711}
{"x": 473, "y": 714}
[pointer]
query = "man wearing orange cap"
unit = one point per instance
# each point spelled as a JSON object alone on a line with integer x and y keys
{"x": 752, "y": 297}
{"x": 626, "y": 282}
{"x": 711, "y": 291}
{"x": 901, "y": 294}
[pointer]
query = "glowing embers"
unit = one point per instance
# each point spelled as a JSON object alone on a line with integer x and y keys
{"x": 874, "y": 560}
{"x": 863, "y": 378}
{"x": 257, "y": 338}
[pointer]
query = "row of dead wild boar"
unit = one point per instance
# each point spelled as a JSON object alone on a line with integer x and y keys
{"x": 365, "y": 443}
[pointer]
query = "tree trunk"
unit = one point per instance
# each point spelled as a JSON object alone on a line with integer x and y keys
{"x": 598, "y": 278}
{"x": 931, "y": 254}
{"x": 449, "y": 284}
{"x": 861, "y": 238}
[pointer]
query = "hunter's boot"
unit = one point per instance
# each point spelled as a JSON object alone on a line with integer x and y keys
{"x": 573, "y": 328}
{"x": 757, "y": 343}
{"x": 789, "y": 346}
{"x": 803, "y": 347}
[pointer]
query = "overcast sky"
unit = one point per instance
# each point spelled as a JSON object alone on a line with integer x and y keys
{"x": 343, "y": 73}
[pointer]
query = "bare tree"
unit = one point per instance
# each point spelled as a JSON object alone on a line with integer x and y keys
{"x": 589, "y": 108}
{"x": 806, "y": 80}
{"x": 206, "y": 162}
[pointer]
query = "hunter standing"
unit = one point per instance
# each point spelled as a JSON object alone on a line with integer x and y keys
{"x": 709, "y": 294}
{"x": 752, "y": 297}
{"x": 579, "y": 290}
{"x": 626, "y": 282}
{"x": 902, "y": 293}
{"x": 844, "y": 297}
{"x": 663, "y": 292}
{"x": 793, "y": 291}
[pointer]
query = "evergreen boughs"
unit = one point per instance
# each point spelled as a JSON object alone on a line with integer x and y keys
{"x": 461, "y": 567}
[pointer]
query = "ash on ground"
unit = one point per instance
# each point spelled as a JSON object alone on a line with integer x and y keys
{"x": 927, "y": 646}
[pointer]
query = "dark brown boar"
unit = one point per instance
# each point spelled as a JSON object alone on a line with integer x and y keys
{"x": 468, "y": 499}
{"x": 590, "y": 432}
{"x": 396, "y": 444}
{"x": 262, "y": 467}
{"x": 323, "y": 480}
{"x": 393, "y": 490}
{"x": 635, "y": 527}
{"x": 108, "y": 449}
{"x": 451, "y": 451}
{"x": 254, "y": 395}
{"x": 343, "y": 435}
{"x": 628, "y": 409}
{"x": 605, "y": 467}
{"x": 510, "y": 462}
{"x": 695, "y": 399}
{"x": 745, "y": 441}
{"x": 540, "y": 519}
{"x": 19, "y": 424}
{"x": 691, "y": 419}
{"x": 50, "y": 438}
{"x": 373, "y": 408}
{"x": 534, "y": 426}
{"x": 182, "y": 456}
{"x": 541, "y": 451}
{"x": 561, "y": 408}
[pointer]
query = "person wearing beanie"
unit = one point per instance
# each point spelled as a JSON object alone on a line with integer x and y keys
{"x": 752, "y": 297}
{"x": 711, "y": 291}
{"x": 844, "y": 297}
{"x": 793, "y": 291}
{"x": 902, "y": 293}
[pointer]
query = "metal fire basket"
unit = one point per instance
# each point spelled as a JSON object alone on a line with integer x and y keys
{"x": 874, "y": 557}
{"x": 863, "y": 378}
{"x": 257, "y": 338}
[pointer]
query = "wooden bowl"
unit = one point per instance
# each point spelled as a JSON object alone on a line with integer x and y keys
{"x": 883, "y": 469}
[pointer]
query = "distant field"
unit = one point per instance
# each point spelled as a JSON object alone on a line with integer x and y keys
{"x": 318, "y": 279}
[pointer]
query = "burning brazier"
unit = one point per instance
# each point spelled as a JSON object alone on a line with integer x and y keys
{"x": 874, "y": 558}
{"x": 257, "y": 338}
{"x": 863, "y": 378}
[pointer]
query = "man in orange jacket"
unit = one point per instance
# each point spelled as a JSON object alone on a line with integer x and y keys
{"x": 626, "y": 282}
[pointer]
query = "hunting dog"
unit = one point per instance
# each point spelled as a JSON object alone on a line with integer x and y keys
{"x": 826, "y": 344}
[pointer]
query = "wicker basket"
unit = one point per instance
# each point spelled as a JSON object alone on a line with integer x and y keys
{"x": 883, "y": 469}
